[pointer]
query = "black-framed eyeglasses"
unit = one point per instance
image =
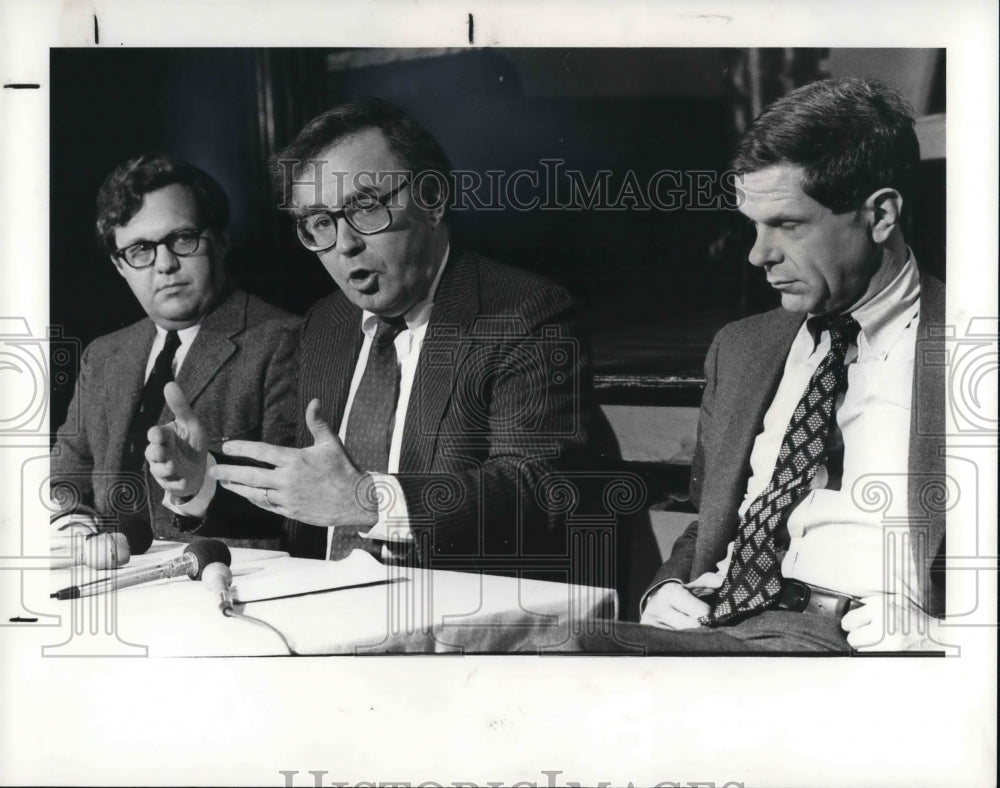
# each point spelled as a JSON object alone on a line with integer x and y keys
{"x": 367, "y": 214}
{"x": 142, "y": 254}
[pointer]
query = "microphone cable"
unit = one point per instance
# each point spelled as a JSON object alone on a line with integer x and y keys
{"x": 229, "y": 612}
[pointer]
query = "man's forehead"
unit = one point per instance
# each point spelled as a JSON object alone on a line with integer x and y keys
{"x": 774, "y": 189}
{"x": 359, "y": 162}
{"x": 172, "y": 204}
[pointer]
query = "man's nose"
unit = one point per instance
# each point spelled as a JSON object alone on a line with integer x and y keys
{"x": 349, "y": 240}
{"x": 765, "y": 250}
{"x": 166, "y": 261}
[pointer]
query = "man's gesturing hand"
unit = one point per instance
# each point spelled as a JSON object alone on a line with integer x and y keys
{"x": 178, "y": 451}
{"x": 672, "y": 606}
{"x": 318, "y": 485}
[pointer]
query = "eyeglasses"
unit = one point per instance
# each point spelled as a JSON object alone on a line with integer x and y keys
{"x": 368, "y": 215}
{"x": 182, "y": 243}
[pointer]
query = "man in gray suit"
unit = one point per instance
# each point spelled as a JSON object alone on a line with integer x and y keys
{"x": 165, "y": 226}
{"x": 810, "y": 408}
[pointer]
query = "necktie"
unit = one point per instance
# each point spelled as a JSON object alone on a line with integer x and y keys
{"x": 753, "y": 581}
{"x": 370, "y": 424}
{"x": 151, "y": 402}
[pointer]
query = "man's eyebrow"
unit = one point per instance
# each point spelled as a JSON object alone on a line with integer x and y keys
{"x": 777, "y": 219}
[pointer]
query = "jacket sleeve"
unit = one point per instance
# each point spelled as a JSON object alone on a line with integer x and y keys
{"x": 72, "y": 458}
{"x": 230, "y": 515}
{"x": 678, "y": 565}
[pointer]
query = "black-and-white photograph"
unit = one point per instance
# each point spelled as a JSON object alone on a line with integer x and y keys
{"x": 489, "y": 347}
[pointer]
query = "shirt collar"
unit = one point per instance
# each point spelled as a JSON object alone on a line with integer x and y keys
{"x": 418, "y": 314}
{"x": 186, "y": 335}
{"x": 890, "y": 311}
{"x": 883, "y": 318}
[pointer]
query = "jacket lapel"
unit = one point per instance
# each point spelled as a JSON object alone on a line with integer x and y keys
{"x": 212, "y": 346}
{"x": 442, "y": 354}
{"x": 126, "y": 374}
{"x": 327, "y": 359}
{"x": 928, "y": 427}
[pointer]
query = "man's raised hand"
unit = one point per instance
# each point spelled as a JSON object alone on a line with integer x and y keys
{"x": 318, "y": 485}
{"x": 177, "y": 452}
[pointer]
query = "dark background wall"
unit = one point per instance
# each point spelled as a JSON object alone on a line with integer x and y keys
{"x": 655, "y": 284}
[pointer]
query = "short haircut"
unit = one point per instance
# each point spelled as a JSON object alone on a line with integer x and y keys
{"x": 850, "y": 136}
{"x": 120, "y": 197}
{"x": 414, "y": 147}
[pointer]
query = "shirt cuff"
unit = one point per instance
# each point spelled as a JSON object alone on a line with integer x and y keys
{"x": 653, "y": 589}
{"x": 60, "y": 521}
{"x": 197, "y": 506}
{"x": 393, "y": 523}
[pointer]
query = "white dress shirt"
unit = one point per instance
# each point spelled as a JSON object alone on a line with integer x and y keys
{"x": 393, "y": 516}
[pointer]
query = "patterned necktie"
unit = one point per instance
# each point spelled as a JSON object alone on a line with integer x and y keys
{"x": 370, "y": 424}
{"x": 753, "y": 581}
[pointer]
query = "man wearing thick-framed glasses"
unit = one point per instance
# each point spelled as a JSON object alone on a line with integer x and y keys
{"x": 165, "y": 226}
{"x": 438, "y": 392}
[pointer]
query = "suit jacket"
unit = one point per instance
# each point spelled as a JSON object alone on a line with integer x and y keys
{"x": 499, "y": 401}
{"x": 238, "y": 376}
{"x": 743, "y": 369}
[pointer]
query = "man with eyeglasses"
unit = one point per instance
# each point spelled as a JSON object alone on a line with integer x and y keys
{"x": 438, "y": 392}
{"x": 165, "y": 226}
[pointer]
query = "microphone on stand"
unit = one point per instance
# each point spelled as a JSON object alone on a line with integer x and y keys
{"x": 218, "y": 578}
{"x": 100, "y": 551}
{"x": 192, "y": 562}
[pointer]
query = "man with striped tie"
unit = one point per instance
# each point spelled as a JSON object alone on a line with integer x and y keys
{"x": 438, "y": 392}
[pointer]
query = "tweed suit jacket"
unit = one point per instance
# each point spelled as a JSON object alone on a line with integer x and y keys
{"x": 238, "y": 376}
{"x": 499, "y": 401}
{"x": 743, "y": 369}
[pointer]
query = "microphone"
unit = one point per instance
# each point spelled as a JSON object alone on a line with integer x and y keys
{"x": 218, "y": 578}
{"x": 137, "y": 530}
{"x": 100, "y": 551}
{"x": 192, "y": 562}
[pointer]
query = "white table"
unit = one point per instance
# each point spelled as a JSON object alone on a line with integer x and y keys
{"x": 394, "y": 609}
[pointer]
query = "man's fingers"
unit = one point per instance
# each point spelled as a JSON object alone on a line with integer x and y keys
{"x": 683, "y": 600}
{"x": 261, "y": 497}
{"x": 177, "y": 402}
{"x": 856, "y": 618}
{"x": 319, "y": 429}
{"x": 243, "y": 475}
{"x": 262, "y": 452}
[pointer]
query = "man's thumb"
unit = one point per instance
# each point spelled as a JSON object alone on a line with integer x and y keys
{"x": 319, "y": 429}
{"x": 177, "y": 402}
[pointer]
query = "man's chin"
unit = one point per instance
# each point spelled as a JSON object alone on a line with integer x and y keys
{"x": 797, "y": 303}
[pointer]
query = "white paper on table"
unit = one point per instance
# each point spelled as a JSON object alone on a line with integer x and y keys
{"x": 161, "y": 552}
{"x": 285, "y": 577}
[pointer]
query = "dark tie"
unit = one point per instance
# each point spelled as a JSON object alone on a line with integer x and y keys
{"x": 370, "y": 423}
{"x": 150, "y": 406}
{"x": 753, "y": 581}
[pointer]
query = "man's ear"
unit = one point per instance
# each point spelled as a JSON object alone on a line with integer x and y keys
{"x": 886, "y": 210}
{"x": 119, "y": 265}
{"x": 435, "y": 215}
{"x": 222, "y": 243}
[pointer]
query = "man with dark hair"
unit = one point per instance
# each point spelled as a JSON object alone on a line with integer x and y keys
{"x": 437, "y": 390}
{"x": 165, "y": 226}
{"x": 815, "y": 416}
